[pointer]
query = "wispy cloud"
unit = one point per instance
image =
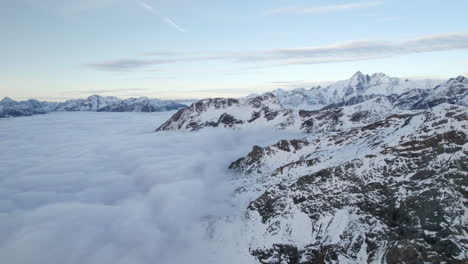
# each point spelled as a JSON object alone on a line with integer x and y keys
{"x": 321, "y": 9}
{"x": 131, "y": 64}
{"x": 164, "y": 18}
{"x": 357, "y": 50}
{"x": 121, "y": 64}
{"x": 161, "y": 53}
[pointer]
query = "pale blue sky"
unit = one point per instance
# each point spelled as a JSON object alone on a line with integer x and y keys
{"x": 59, "y": 49}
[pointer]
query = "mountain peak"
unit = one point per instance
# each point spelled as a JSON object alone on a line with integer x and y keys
{"x": 358, "y": 74}
{"x": 461, "y": 78}
{"x": 7, "y": 100}
{"x": 94, "y": 96}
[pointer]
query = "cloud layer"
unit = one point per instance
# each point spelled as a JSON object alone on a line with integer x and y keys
{"x": 322, "y": 9}
{"x": 341, "y": 52}
{"x": 104, "y": 188}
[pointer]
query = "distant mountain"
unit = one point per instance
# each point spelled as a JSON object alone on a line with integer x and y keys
{"x": 12, "y": 108}
{"x": 114, "y": 104}
{"x": 92, "y": 103}
{"x": 454, "y": 91}
{"x": 358, "y": 88}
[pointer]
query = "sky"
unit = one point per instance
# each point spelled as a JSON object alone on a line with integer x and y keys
{"x": 180, "y": 49}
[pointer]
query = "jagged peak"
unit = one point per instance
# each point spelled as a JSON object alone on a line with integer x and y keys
{"x": 358, "y": 74}
{"x": 359, "y": 77}
{"x": 461, "y": 78}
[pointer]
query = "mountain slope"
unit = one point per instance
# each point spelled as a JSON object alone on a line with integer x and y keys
{"x": 393, "y": 191}
{"x": 219, "y": 112}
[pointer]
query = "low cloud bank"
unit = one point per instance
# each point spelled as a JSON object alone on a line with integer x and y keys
{"x": 103, "y": 188}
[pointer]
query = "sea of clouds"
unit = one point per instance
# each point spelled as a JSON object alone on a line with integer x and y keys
{"x": 105, "y": 188}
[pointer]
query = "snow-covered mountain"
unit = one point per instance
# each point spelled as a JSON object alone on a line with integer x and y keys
{"x": 11, "y": 108}
{"x": 114, "y": 104}
{"x": 360, "y": 109}
{"x": 92, "y": 103}
{"x": 454, "y": 91}
{"x": 358, "y": 88}
{"x": 393, "y": 191}
{"x": 220, "y": 112}
{"x": 379, "y": 177}
{"x": 142, "y": 104}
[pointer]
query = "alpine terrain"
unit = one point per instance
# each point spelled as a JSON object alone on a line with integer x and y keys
{"x": 379, "y": 175}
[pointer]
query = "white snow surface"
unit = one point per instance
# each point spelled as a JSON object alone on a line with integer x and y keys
{"x": 87, "y": 187}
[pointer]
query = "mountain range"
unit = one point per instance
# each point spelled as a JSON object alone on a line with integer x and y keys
{"x": 359, "y": 86}
{"x": 12, "y": 108}
{"x": 379, "y": 175}
{"x": 359, "y": 101}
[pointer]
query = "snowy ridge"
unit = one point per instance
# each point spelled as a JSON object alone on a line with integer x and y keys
{"x": 263, "y": 110}
{"x": 359, "y": 86}
{"x": 268, "y": 110}
{"x": 12, "y": 108}
{"x": 356, "y": 196}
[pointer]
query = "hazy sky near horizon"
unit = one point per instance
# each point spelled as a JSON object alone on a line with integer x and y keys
{"x": 60, "y": 49}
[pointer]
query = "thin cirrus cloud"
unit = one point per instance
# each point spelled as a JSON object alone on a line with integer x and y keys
{"x": 131, "y": 64}
{"x": 321, "y": 9}
{"x": 165, "y": 19}
{"x": 121, "y": 64}
{"x": 341, "y": 52}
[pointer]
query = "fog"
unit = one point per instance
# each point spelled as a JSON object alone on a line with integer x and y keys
{"x": 104, "y": 188}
